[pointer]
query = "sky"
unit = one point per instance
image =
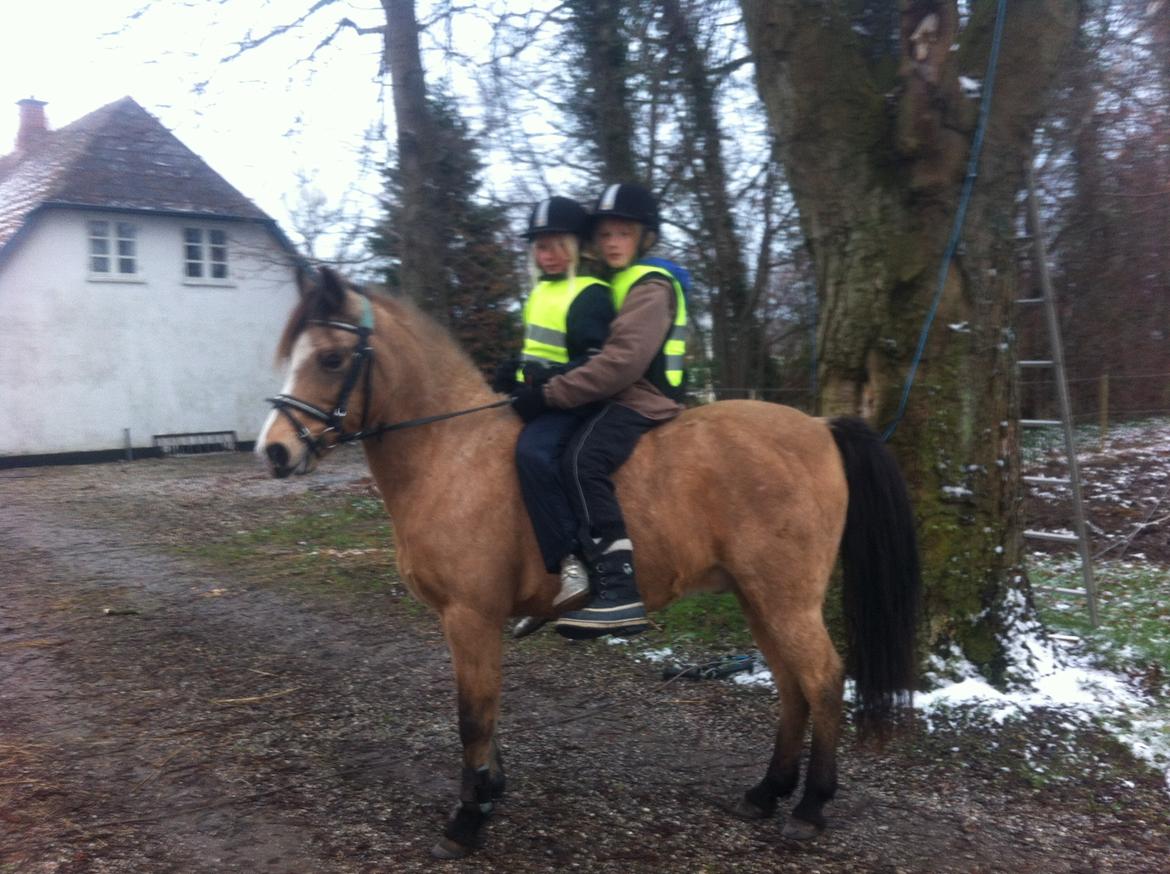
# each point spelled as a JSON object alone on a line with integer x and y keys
{"x": 270, "y": 115}
{"x": 262, "y": 118}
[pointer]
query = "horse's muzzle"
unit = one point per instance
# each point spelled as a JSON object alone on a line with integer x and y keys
{"x": 278, "y": 460}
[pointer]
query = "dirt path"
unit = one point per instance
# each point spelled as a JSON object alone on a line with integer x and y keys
{"x": 216, "y": 722}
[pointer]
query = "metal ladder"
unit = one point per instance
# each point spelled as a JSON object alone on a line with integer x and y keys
{"x": 1056, "y": 364}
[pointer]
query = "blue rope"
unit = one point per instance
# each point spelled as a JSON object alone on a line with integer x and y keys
{"x": 960, "y": 216}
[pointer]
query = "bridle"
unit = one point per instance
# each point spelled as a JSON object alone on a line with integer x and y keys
{"x": 359, "y": 368}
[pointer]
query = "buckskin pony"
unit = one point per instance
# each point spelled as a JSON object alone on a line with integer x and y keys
{"x": 737, "y": 496}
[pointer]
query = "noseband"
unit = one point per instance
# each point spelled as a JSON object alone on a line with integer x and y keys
{"x": 359, "y": 366}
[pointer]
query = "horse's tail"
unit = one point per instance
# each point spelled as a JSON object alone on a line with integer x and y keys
{"x": 882, "y": 579}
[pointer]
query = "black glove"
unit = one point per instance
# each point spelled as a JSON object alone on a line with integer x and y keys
{"x": 504, "y": 377}
{"x": 537, "y": 373}
{"x": 528, "y": 402}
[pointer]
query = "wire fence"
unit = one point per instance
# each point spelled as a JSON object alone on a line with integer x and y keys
{"x": 1105, "y": 400}
{"x": 801, "y": 398}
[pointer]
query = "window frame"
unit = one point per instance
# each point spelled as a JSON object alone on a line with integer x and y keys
{"x": 119, "y": 238}
{"x": 201, "y": 244}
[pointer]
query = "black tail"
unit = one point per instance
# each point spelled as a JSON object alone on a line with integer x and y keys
{"x": 882, "y": 577}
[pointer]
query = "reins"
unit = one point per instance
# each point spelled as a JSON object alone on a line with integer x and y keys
{"x": 365, "y": 434}
{"x": 359, "y": 364}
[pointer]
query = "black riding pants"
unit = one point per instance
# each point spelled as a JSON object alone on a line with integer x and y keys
{"x": 539, "y": 452}
{"x": 600, "y": 446}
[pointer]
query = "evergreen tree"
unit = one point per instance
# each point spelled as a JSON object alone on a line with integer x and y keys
{"x": 476, "y": 290}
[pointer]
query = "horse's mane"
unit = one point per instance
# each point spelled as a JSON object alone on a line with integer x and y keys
{"x": 443, "y": 351}
{"x": 445, "y": 356}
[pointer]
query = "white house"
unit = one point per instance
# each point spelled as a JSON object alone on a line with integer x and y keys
{"x": 140, "y": 293}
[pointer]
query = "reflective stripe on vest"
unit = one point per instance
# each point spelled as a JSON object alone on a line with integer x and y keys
{"x": 546, "y": 315}
{"x": 675, "y": 347}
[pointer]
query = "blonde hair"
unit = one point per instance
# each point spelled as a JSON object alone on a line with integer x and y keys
{"x": 569, "y": 246}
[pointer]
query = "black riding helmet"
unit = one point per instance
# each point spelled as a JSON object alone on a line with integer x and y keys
{"x": 557, "y": 215}
{"x": 627, "y": 200}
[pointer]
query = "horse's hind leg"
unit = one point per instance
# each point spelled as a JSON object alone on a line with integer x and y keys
{"x": 809, "y": 679}
{"x": 784, "y": 769}
{"x": 820, "y": 782}
{"x": 475, "y": 647}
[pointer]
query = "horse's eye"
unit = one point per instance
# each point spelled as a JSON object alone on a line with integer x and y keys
{"x": 331, "y": 360}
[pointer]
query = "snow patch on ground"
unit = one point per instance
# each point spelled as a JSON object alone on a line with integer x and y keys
{"x": 1067, "y": 683}
{"x": 1044, "y": 677}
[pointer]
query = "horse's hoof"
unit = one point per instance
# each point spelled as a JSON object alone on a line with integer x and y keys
{"x": 449, "y": 849}
{"x": 744, "y": 809}
{"x": 800, "y": 830}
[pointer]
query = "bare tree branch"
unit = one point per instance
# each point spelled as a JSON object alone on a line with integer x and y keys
{"x": 249, "y": 41}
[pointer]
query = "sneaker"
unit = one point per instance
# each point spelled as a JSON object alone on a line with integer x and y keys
{"x": 601, "y": 616}
{"x": 574, "y": 588}
{"x": 527, "y": 625}
{"x": 616, "y": 608}
{"x": 574, "y": 581}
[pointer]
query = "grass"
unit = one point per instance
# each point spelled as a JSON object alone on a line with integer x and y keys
{"x": 705, "y": 620}
{"x": 1133, "y": 605}
{"x": 1132, "y": 637}
{"x": 326, "y": 523}
{"x": 334, "y": 541}
{"x": 1035, "y": 443}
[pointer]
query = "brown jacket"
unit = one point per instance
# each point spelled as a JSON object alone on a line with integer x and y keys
{"x": 618, "y": 371}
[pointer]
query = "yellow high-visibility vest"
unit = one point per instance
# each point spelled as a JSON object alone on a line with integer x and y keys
{"x": 674, "y": 350}
{"x": 546, "y": 315}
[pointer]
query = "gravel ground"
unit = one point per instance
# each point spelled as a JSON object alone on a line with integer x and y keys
{"x": 163, "y": 712}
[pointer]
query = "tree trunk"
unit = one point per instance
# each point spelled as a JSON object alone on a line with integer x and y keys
{"x": 603, "y": 105}
{"x": 735, "y": 331}
{"x": 423, "y": 251}
{"x": 875, "y": 133}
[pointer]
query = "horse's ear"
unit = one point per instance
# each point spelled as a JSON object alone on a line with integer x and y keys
{"x": 331, "y": 287}
{"x": 305, "y": 284}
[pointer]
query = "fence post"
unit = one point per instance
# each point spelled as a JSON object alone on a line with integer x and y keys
{"x": 1103, "y": 405}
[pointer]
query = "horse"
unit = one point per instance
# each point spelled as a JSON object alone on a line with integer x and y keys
{"x": 742, "y": 496}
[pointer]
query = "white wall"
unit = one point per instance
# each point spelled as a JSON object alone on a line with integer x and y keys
{"x": 80, "y": 360}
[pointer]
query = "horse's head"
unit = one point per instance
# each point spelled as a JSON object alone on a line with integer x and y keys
{"x": 326, "y": 347}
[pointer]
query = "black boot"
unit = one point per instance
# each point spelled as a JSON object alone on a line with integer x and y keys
{"x": 616, "y": 606}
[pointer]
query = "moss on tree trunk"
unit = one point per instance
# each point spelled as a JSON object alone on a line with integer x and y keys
{"x": 875, "y": 134}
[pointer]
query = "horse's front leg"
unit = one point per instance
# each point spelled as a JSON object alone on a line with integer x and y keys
{"x": 475, "y": 644}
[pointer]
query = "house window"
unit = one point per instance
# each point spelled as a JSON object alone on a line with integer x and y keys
{"x": 205, "y": 253}
{"x": 113, "y": 248}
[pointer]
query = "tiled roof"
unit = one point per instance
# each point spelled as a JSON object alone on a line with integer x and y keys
{"x": 121, "y": 157}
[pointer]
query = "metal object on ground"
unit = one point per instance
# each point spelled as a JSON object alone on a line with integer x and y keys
{"x": 713, "y": 670}
{"x": 195, "y": 442}
{"x": 1056, "y": 363}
